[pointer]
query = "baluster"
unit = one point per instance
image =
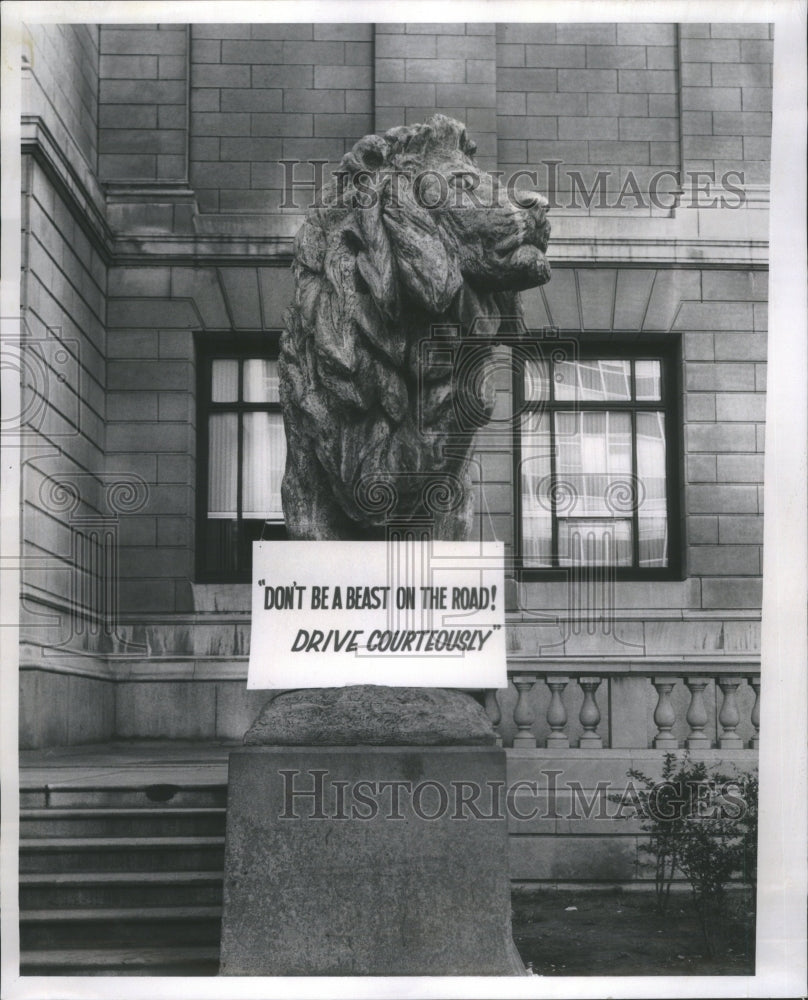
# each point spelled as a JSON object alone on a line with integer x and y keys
{"x": 590, "y": 714}
{"x": 493, "y": 712}
{"x": 664, "y": 714}
{"x": 523, "y": 714}
{"x": 729, "y": 716}
{"x": 754, "y": 683}
{"x": 697, "y": 717}
{"x": 557, "y": 712}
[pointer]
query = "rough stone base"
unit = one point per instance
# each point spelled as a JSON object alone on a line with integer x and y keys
{"x": 345, "y": 880}
{"x": 371, "y": 714}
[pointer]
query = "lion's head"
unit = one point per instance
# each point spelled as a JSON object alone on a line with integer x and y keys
{"x": 409, "y": 235}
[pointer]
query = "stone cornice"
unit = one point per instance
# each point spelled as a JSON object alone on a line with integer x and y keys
{"x": 195, "y": 669}
{"x": 212, "y": 251}
{"x": 82, "y": 194}
{"x": 633, "y": 252}
{"x": 159, "y": 224}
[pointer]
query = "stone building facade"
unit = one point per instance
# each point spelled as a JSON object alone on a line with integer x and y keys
{"x": 157, "y": 239}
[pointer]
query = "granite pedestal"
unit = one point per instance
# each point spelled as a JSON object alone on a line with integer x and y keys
{"x": 367, "y": 861}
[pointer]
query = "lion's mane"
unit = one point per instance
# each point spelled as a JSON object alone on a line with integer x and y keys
{"x": 373, "y": 433}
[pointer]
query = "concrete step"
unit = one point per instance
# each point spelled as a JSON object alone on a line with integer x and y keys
{"x": 126, "y": 854}
{"x": 120, "y": 927}
{"x": 121, "y": 860}
{"x": 77, "y": 890}
{"x": 132, "y": 961}
{"x": 122, "y": 795}
{"x": 111, "y": 822}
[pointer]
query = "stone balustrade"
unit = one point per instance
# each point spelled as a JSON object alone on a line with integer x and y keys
{"x": 664, "y": 706}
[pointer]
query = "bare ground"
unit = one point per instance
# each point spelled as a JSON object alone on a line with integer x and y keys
{"x": 614, "y": 933}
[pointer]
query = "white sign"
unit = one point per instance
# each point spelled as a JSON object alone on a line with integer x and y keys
{"x": 420, "y": 614}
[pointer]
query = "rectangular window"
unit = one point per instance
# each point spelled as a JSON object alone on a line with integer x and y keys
{"x": 596, "y": 462}
{"x": 242, "y": 453}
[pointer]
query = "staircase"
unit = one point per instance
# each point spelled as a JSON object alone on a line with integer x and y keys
{"x": 121, "y": 876}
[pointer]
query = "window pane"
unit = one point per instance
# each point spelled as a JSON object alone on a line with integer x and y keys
{"x": 263, "y": 463}
{"x": 534, "y": 479}
{"x": 653, "y": 541}
{"x": 224, "y": 381}
{"x": 536, "y": 386}
{"x": 593, "y": 465}
{"x": 592, "y": 380}
{"x": 261, "y": 381}
{"x": 647, "y": 379}
{"x": 222, "y": 464}
{"x": 606, "y": 488}
{"x": 653, "y": 535}
{"x": 595, "y": 542}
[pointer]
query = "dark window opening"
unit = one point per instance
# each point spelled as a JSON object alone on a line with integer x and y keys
{"x": 241, "y": 454}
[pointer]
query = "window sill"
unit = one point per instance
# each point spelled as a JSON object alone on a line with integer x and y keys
{"x": 221, "y": 598}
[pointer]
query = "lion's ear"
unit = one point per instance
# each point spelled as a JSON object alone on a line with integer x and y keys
{"x": 369, "y": 154}
{"x": 426, "y": 258}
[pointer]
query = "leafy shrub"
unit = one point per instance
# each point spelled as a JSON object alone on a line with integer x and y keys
{"x": 702, "y": 823}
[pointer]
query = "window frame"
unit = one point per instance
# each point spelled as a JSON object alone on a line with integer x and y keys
{"x": 208, "y": 348}
{"x": 644, "y": 347}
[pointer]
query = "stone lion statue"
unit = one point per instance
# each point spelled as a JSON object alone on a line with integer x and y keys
{"x": 410, "y": 241}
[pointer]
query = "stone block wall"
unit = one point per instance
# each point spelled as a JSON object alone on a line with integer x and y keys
{"x": 63, "y": 289}
{"x": 726, "y": 80}
{"x": 62, "y": 344}
{"x": 451, "y": 68}
{"x": 593, "y": 96}
{"x": 633, "y": 97}
{"x": 152, "y": 316}
{"x": 142, "y": 105}
{"x": 60, "y": 78}
{"x": 262, "y": 93}
{"x": 562, "y": 825}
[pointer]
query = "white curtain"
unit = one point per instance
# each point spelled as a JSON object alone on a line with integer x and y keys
{"x": 594, "y": 449}
{"x": 222, "y": 464}
{"x": 594, "y": 452}
{"x": 599, "y": 541}
{"x": 224, "y": 381}
{"x": 263, "y": 443}
{"x": 533, "y": 472}
{"x": 262, "y": 466}
{"x": 653, "y": 519}
{"x": 261, "y": 381}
